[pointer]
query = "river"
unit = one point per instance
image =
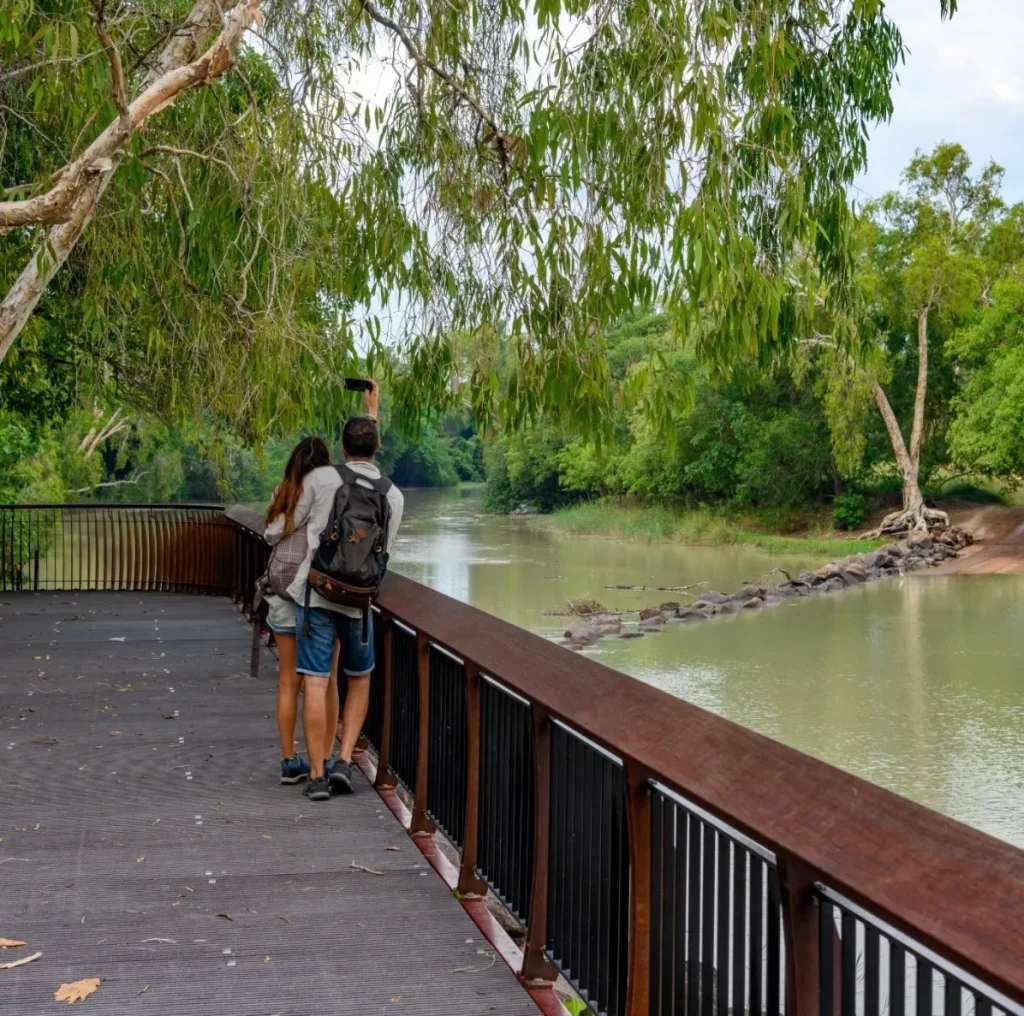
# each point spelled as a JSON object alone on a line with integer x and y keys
{"x": 915, "y": 684}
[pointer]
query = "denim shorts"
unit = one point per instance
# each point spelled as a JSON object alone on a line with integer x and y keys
{"x": 316, "y": 651}
{"x": 280, "y": 615}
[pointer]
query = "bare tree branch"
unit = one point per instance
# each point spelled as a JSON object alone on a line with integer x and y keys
{"x": 113, "y": 483}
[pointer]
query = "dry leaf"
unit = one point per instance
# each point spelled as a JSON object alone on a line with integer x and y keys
{"x": 10, "y": 943}
{"x": 21, "y": 962}
{"x": 228, "y": 916}
{"x": 76, "y": 991}
{"x": 362, "y": 867}
{"x": 266, "y": 959}
{"x": 165, "y": 941}
{"x": 144, "y": 990}
{"x": 285, "y": 919}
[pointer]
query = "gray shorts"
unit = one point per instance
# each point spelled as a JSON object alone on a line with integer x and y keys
{"x": 280, "y": 615}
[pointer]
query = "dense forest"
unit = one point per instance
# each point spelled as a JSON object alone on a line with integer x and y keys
{"x": 921, "y": 383}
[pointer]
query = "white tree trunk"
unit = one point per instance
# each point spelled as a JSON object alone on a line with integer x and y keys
{"x": 178, "y": 68}
{"x": 915, "y": 515}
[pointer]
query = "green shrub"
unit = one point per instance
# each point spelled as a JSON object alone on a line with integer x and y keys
{"x": 849, "y": 510}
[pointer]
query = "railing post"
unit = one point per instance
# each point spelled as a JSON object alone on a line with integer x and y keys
{"x": 421, "y": 824}
{"x": 800, "y": 928}
{"x": 470, "y": 884}
{"x": 385, "y": 779}
{"x": 537, "y": 968}
{"x": 638, "y": 827}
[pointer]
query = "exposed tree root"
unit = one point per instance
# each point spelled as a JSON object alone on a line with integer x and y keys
{"x": 919, "y": 519}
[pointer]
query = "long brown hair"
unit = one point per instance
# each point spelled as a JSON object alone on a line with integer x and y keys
{"x": 309, "y": 453}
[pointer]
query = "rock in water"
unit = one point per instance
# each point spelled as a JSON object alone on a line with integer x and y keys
{"x": 583, "y": 633}
{"x": 710, "y": 599}
{"x": 649, "y": 612}
{"x": 690, "y": 614}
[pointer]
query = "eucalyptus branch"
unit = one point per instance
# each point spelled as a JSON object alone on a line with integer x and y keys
{"x": 113, "y": 56}
{"x": 418, "y": 57}
{"x": 13, "y": 73}
{"x": 203, "y": 156}
{"x": 55, "y": 206}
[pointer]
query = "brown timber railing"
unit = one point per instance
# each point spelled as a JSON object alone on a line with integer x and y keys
{"x": 665, "y": 860}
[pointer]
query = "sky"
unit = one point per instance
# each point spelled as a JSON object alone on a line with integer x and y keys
{"x": 963, "y": 81}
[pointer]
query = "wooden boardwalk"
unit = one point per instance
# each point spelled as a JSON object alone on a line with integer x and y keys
{"x": 146, "y": 840}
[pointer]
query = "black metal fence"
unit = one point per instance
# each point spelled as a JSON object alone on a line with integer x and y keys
{"x": 405, "y": 705}
{"x": 169, "y": 548}
{"x": 588, "y": 895}
{"x": 868, "y": 968}
{"x": 446, "y": 755}
{"x": 716, "y": 924}
{"x": 505, "y": 854}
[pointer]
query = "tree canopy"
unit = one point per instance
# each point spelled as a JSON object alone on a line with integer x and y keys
{"x": 232, "y": 220}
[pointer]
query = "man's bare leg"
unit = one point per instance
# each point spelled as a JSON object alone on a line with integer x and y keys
{"x": 357, "y": 703}
{"x": 333, "y": 706}
{"x": 314, "y": 721}
{"x": 288, "y": 685}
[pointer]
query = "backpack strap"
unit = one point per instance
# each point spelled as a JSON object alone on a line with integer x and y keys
{"x": 381, "y": 484}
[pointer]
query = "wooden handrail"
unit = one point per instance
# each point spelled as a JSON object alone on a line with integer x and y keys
{"x": 952, "y": 888}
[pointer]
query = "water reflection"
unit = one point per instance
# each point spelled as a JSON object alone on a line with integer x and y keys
{"x": 913, "y": 684}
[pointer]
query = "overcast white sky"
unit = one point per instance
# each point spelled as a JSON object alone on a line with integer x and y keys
{"x": 963, "y": 81}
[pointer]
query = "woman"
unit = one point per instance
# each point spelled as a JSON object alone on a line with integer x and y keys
{"x": 286, "y": 532}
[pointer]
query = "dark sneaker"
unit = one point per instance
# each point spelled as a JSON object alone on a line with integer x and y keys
{"x": 340, "y": 777}
{"x": 294, "y": 769}
{"x": 317, "y": 789}
{"x": 328, "y": 766}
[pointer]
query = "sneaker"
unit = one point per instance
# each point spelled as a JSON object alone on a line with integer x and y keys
{"x": 294, "y": 769}
{"x": 340, "y": 777}
{"x": 317, "y": 789}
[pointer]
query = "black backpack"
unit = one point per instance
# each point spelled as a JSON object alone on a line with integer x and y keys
{"x": 349, "y": 564}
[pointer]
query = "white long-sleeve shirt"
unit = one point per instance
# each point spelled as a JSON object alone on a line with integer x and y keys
{"x": 319, "y": 487}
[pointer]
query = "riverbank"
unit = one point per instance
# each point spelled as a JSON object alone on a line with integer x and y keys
{"x": 698, "y": 528}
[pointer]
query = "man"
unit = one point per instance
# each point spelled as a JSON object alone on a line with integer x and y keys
{"x": 317, "y": 629}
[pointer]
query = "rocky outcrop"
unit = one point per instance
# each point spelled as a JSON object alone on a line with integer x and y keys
{"x": 918, "y": 551}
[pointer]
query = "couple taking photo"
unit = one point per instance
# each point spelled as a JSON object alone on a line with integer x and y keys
{"x": 332, "y": 528}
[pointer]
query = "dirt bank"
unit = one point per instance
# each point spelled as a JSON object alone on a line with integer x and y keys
{"x": 998, "y": 531}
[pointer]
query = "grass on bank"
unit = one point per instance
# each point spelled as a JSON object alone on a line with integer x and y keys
{"x": 698, "y": 528}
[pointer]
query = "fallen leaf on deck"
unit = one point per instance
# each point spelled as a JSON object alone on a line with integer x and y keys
{"x": 266, "y": 837}
{"x": 228, "y": 916}
{"x": 285, "y": 919}
{"x": 362, "y": 867}
{"x": 76, "y": 991}
{"x": 10, "y": 943}
{"x": 166, "y": 941}
{"x": 393, "y": 848}
{"x": 266, "y": 959}
{"x": 20, "y": 963}
{"x": 139, "y": 860}
{"x": 397, "y": 998}
{"x": 144, "y": 990}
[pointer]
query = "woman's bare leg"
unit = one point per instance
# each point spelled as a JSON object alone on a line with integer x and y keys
{"x": 288, "y": 685}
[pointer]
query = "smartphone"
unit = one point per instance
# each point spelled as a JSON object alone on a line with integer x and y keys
{"x": 358, "y": 384}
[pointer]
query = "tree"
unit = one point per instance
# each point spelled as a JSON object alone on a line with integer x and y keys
{"x": 987, "y": 433}
{"x": 536, "y": 169}
{"x": 927, "y": 255}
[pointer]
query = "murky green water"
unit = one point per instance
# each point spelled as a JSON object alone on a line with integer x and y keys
{"x": 915, "y": 684}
